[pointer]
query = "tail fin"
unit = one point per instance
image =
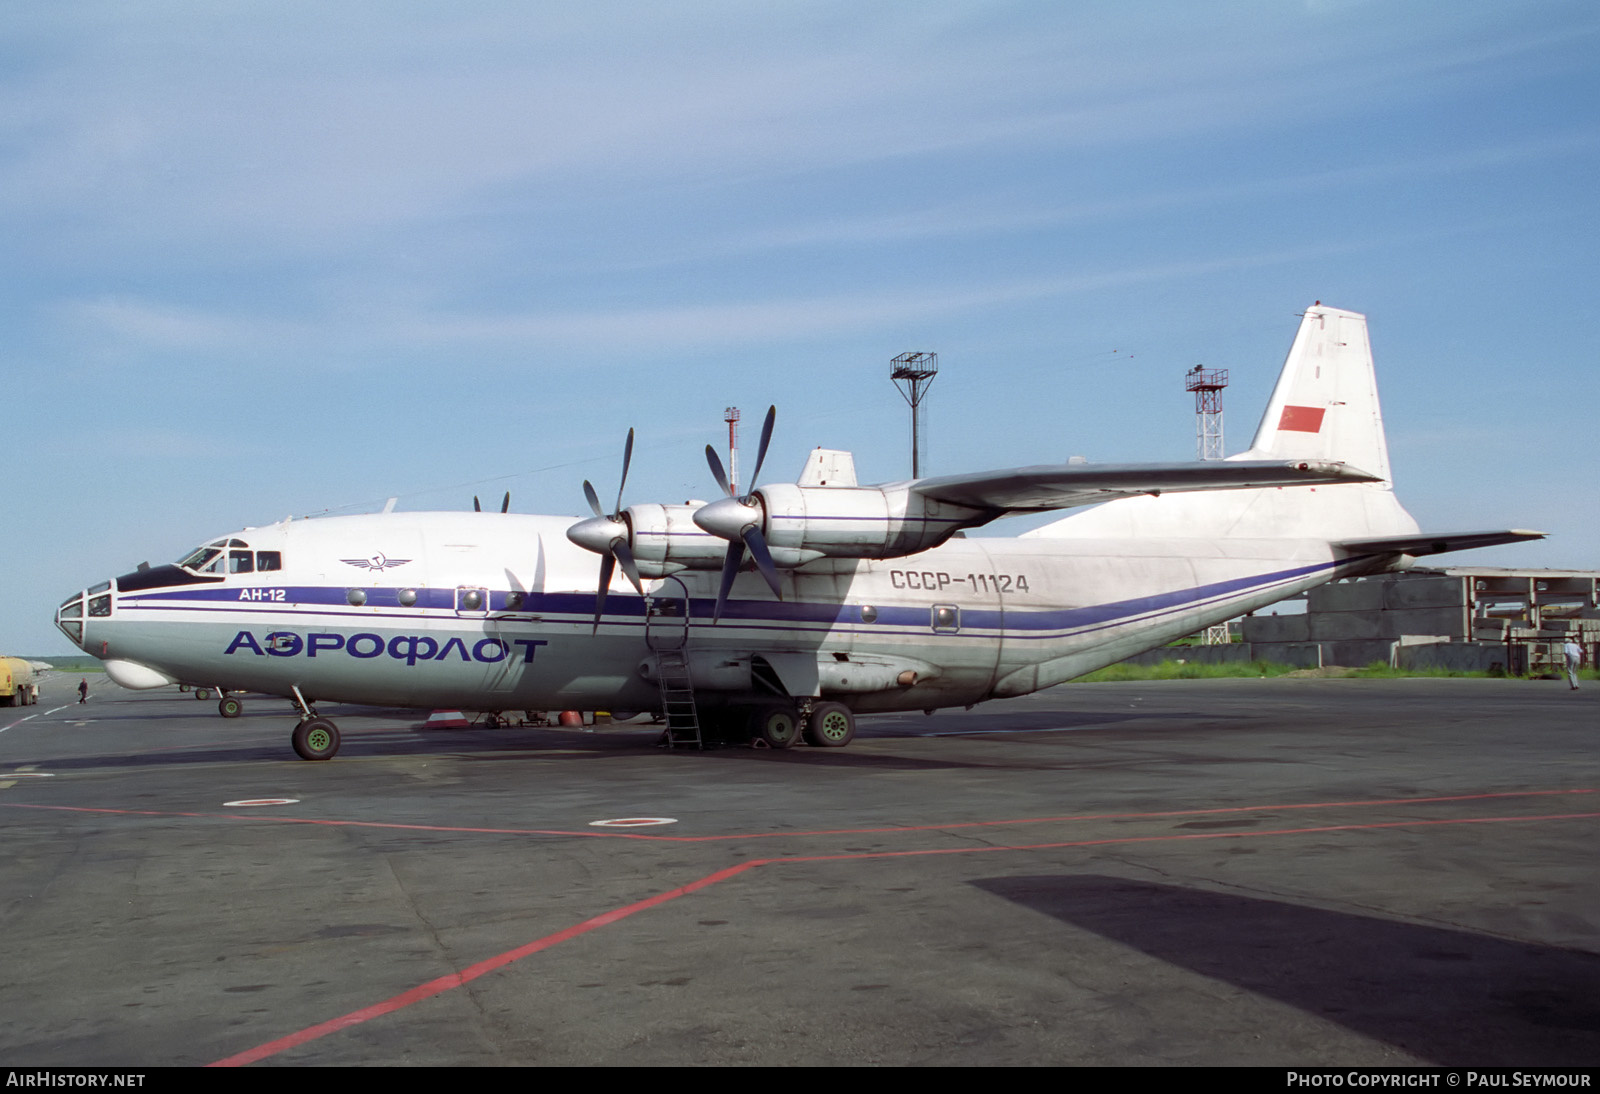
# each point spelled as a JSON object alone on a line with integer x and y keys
{"x": 1325, "y": 406}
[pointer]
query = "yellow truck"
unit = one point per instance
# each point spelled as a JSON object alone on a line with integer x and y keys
{"x": 19, "y": 684}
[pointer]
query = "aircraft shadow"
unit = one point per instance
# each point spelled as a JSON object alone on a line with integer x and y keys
{"x": 1451, "y": 997}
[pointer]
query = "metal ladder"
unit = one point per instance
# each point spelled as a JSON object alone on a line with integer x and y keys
{"x": 677, "y": 700}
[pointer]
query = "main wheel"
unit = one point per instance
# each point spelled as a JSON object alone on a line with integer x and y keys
{"x": 316, "y": 739}
{"x": 202, "y": 693}
{"x": 831, "y": 725}
{"x": 778, "y": 726}
{"x": 229, "y": 707}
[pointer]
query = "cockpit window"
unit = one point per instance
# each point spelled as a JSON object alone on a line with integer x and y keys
{"x": 240, "y": 562}
{"x": 269, "y": 560}
{"x": 199, "y": 557}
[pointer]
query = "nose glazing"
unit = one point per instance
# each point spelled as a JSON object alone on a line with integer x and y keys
{"x": 69, "y": 617}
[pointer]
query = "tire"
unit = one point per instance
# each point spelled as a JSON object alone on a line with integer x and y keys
{"x": 776, "y": 726}
{"x": 202, "y": 693}
{"x": 229, "y": 707}
{"x": 316, "y": 739}
{"x": 831, "y": 725}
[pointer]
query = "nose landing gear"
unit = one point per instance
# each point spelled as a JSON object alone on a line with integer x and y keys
{"x": 316, "y": 737}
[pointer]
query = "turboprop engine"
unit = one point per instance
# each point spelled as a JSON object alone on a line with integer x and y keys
{"x": 784, "y": 525}
{"x": 804, "y": 523}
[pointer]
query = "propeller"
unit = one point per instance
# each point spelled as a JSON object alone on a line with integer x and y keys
{"x": 738, "y": 520}
{"x": 505, "y": 506}
{"x": 607, "y": 535}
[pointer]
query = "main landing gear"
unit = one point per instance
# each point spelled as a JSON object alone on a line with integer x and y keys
{"x": 782, "y": 725}
{"x": 316, "y": 737}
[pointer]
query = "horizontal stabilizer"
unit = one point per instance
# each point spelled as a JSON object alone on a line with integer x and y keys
{"x": 1062, "y": 486}
{"x": 1437, "y": 544}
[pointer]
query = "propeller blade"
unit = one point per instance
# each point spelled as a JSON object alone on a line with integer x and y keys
{"x": 630, "y": 568}
{"x": 757, "y": 543}
{"x": 716, "y": 470}
{"x": 594, "y": 499}
{"x": 627, "y": 458}
{"x": 608, "y": 566}
{"x": 476, "y": 508}
{"x": 730, "y": 570}
{"x": 505, "y": 506}
{"x": 766, "y": 439}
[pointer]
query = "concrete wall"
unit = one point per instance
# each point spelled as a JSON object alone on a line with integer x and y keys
{"x": 1454, "y": 656}
{"x": 1275, "y": 628}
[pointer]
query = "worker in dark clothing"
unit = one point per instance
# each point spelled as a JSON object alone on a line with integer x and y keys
{"x": 83, "y": 690}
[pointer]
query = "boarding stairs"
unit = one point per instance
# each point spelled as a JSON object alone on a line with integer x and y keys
{"x": 666, "y": 632}
{"x": 677, "y": 700}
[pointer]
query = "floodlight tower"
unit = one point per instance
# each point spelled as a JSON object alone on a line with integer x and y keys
{"x": 731, "y": 416}
{"x": 1207, "y": 385}
{"x": 913, "y": 374}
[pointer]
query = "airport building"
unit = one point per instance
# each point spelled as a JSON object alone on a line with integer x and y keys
{"x": 1481, "y": 619}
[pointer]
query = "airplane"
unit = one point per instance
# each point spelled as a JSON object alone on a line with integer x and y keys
{"x": 782, "y": 613}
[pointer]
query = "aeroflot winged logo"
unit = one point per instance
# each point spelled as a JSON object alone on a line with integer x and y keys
{"x": 377, "y": 562}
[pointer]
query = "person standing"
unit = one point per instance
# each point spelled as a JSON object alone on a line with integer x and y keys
{"x": 83, "y": 690}
{"x": 1574, "y": 654}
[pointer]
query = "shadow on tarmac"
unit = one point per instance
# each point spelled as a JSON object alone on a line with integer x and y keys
{"x": 1452, "y": 997}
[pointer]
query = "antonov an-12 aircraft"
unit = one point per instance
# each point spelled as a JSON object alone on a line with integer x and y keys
{"x": 784, "y": 612}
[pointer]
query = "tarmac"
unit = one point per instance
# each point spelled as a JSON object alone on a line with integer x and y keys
{"x": 1273, "y": 872}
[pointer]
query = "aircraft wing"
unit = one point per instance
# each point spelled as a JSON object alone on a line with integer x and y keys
{"x": 1063, "y": 486}
{"x": 1437, "y": 543}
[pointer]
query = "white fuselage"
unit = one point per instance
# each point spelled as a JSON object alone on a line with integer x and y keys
{"x": 495, "y": 612}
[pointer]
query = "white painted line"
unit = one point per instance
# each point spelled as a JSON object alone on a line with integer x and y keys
{"x": 27, "y": 775}
{"x": 18, "y": 722}
{"x": 632, "y": 822}
{"x": 63, "y": 706}
{"x": 262, "y": 801}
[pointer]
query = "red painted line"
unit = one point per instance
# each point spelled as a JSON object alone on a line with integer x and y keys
{"x": 952, "y": 826}
{"x": 472, "y": 972}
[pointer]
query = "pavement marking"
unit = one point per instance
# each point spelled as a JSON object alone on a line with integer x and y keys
{"x": 472, "y": 972}
{"x": 63, "y": 706}
{"x": 18, "y": 722}
{"x": 261, "y": 801}
{"x": 951, "y": 826}
{"x": 26, "y": 771}
{"x": 633, "y": 822}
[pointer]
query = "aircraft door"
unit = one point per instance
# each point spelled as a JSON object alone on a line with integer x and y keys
{"x": 666, "y": 616}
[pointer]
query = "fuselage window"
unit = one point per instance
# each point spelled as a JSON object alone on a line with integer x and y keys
{"x": 100, "y": 605}
{"x": 269, "y": 560}
{"x": 240, "y": 562}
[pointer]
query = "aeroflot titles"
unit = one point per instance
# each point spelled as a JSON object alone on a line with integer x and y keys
{"x": 409, "y": 648}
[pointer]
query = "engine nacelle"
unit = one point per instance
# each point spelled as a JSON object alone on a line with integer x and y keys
{"x": 805, "y": 523}
{"x": 665, "y": 539}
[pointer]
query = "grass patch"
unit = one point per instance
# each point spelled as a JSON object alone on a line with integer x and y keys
{"x": 1188, "y": 670}
{"x": 1377, "y": 670}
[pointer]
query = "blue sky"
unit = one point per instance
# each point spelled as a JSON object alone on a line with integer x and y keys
{"x": 281, "y": 258}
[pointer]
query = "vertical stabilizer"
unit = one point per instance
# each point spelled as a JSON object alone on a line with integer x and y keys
{"x": 1325, "y": 406}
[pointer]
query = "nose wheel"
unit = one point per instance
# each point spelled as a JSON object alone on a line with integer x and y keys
{"x": 316, "y": 739}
